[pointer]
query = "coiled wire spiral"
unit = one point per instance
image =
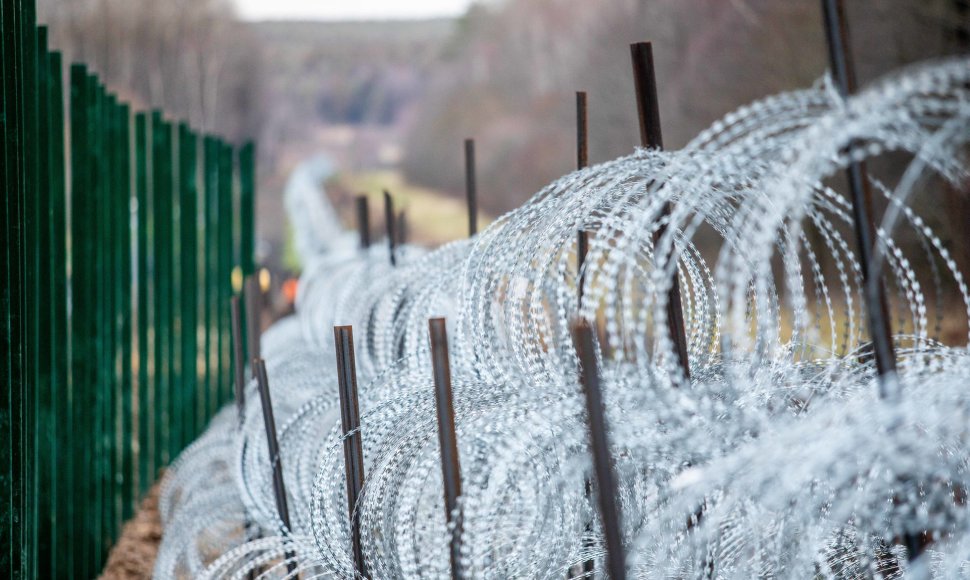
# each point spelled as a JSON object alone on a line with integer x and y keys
{"x": 777, "y": 457}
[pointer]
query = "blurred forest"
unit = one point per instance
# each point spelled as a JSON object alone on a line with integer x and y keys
{"x": 361, "y": 76}
{"x": 191, "y": 58}
{"x": 399, "y": 97}
{"x": 510, "y": 81}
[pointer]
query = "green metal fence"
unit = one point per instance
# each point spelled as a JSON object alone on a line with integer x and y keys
{"x": 119, "y": 232}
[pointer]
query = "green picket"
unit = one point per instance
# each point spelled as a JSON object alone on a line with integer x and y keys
{"x": 44, "y": 396}
{"x": 126, "y": 283}
{"x": 63, "y": 545}
{"x": 10, "y": 540}
{"x": 32, "y": 331}
{"x": 188, "y": 228}
{"x": 211, "y": 275}
{"x": 247, "y": 208}
{"x": 145, "y": 388}
{"x": 80, "y": 326}
{"x": 224, "y": 268}
{"x": 160, "y": 275}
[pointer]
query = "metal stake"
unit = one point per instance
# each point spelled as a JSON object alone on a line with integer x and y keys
{"x": 279, "y": 488}
{"x": 600, "y": 447}
{"x": 648, "y": 109}
{"x": 582, "y": 160}
{"x": 239, "y": 377}
{"x": 447, "y": 437}
{"x": 877, "y": 307}
{"x": 363, "y": 221}
{"x": 582, "y": 248}
{"x": 350, "y": 422}
{"x": 582, "y": 141}
{"x": 389, "y": 224}
{"x": 471, "y": 187}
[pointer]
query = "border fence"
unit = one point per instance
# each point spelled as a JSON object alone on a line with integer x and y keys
{"x": 122, "y": 233}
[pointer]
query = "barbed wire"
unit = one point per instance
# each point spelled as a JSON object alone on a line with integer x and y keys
{"x": 776, "y": 457}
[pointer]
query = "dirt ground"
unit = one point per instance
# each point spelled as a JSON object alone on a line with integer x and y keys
{"x": 134, "y": 554}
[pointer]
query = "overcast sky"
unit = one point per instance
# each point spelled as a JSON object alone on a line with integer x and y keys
{"x": 348, "y": 9}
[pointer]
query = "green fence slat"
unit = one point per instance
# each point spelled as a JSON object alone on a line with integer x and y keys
{"x": 161, "y": 223}
{"x": 64, "y": 455}
{"x": 15, "y": 186}
{"x": 170, "y": 172}
{"x": 80, "y": 326}
{"x": 211, "y": 166}
{"x": 107, "y": 135}
{"x": 188, "y": 251}
{"x": 97, "y": 372}
{"x": 109, "y": 131}
{"x": 174, "y": 286}
{"x": 247, "y": 208}
{"x": 129, "y": 492}
{"x": 106, "y": 316}
{"x": 21, "y": 377}
{"x": 45, "y": 399}
{"x": 247, "y": 225}
{"x": 6, "y": 226}
{"x": 95, "y": 183}
{"x": 9, "y": 255}
{"x": 119, "y": 216}
{"x": 14, "y": 288}
{"x": 113, "y": 320}
{"x": 226, "y": 258}
{"x": 145, "y": 389}
{"x": 31, "y": 300}
{"x": 247, "y": 221}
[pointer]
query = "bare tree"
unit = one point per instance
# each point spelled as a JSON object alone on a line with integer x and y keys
{"x": 192, "y": 58}
{"x": 509, "y": 80}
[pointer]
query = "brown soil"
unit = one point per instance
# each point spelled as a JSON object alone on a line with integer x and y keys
{"x": 134, "y": 554}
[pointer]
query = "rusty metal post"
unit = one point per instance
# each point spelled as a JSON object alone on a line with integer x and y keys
{"x": 582, "y": 160}
{"x": 648, "y": 110}
{"x": 343, "y": 337}
{"x": 239, "y": 379}
{"x": 363, "y": 221}
{"x": 606, "y": 487}
{"x": 582, "y": 248}
{"x": 389, "y": 224}
{"x": 447, "y": 437}
{"x": 272, "y": 443}
{"x": 877, "y": 307}
{"x": 582, "y": 126}
{"x": 471, "y": 187}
